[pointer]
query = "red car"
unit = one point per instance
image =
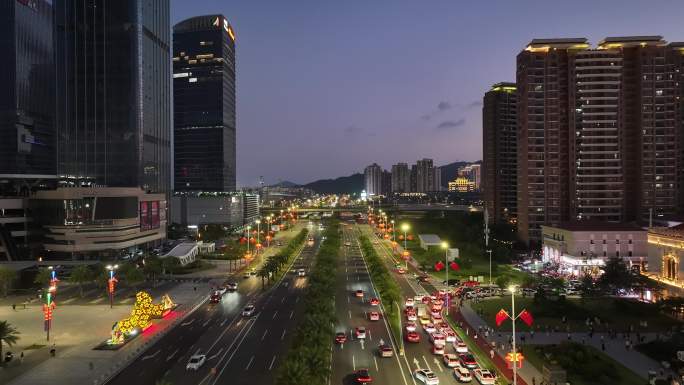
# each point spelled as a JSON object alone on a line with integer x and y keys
{"x": 374, "y": 301}
{"x": 362, "y": 376}
{"x": 412, "y": 337}
{"x": 467, "y": 360}
{"x": 340, "y": 338}
{"x": 426, "y": 299}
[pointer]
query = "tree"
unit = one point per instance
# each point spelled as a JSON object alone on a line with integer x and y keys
{"x": 153, "y": 267}
{"x": 502, "y": 281}
{"x": 616, "y": 276}
{"x": 587, "y": 288}
{"x": 170, "y": 264}
{"x": 133, "y": 276}
{"x": 79, "y": 275}
{"x": 8, "y": 335}
{"x": 43, "y": 276}
{"x": 7, "y": 276}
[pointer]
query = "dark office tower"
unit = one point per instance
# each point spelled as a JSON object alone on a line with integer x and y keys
{"x": 113, "y": 71}
{"x": 543, "y": 82}
{"x": 26, "y": 88}
{"x": 204, "y": 104}
{"x": 386, "y": 183}
{"x": 425, "y": 175}
{"x": 500, "y": 141}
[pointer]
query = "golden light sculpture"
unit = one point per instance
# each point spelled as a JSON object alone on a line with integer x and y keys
{"x": 143, "y": 312}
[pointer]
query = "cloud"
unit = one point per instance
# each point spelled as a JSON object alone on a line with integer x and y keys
{"x": 474, "y": 104}
{"x": 448, "y": 124}
{"x": 443, "y": 106}
{"x": 426, "y": 117}
{"x": 352, "y": 130}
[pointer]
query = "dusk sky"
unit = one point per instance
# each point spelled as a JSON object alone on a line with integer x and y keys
{"x": 327, "y": 87}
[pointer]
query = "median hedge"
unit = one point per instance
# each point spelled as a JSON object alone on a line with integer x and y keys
{"x": 308, "y": 359}
{"x": 387, "y": 287}
{"x": 272, "y": 267}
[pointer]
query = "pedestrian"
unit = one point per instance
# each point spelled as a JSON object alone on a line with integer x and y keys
{"x": 531, "y": 334}
{"x": 21, "y": 358}
{"x": 194, "y": 288}
{"x": 603, "y": 346}
{"x": 569, "y": 337}
{"x": 491, "y": 354}
{"x": 14, "y": 307}
{"x": 534, "y": 381}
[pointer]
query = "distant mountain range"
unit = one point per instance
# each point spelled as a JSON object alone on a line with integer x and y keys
{"x": 354, "y": 183}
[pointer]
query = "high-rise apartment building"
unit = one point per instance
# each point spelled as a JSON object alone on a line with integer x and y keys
{"x": 372, "y": 176}
{"x": 204, "y": 104}
{"x": 401, "y": 178}
{"x": 425, "y": 175}
{"x": 113, "y": 93}
{"x": 413, "y": 178}
{"x": 500, "y": 141}
{"x": 386, "y": 183}
{"x": 26, "y": 92}
{"x": 437, "y": 179}
{"x": 600, "y": 131}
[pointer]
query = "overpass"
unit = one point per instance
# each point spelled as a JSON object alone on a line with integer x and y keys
{"x": 398, "y": 207}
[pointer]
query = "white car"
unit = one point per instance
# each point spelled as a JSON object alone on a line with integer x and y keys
{"x": 301, "y": 272}
{"x": 426, "y": 376}
{"x": 438, "y": 349}
{"x": 450, "y": 360}
{"x": 232, "y": 286}
{"x": 460, "y": 346}
{"x": 450, "y": 335}
{"x": 410, "y": 302}
{"x": 429, "y": 328}
{"x": 410, "y": 326}
{"x": 484, "y": 377}
{"x": 462, "y": 374}
{"x": 361, "y": 332}
{"x": 411, "y": 316}
{"x": 438, "y": 338}
{"x": 248, "y": 311}
{"x": 196, "y": 362}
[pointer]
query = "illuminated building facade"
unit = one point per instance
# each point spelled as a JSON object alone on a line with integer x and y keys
{"x": 113, "y": 93}
{"x": 372, "y": 176}
{"x": 204, "y": 104}
{"x": 401, "y": 178}
{"x": 461, "y": 184}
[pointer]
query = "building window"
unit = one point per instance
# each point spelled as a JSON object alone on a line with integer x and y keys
{"x": 591, "y": 241}
{"x": 630, "y": 241}
{"x": 604, "y": 253}
{"x": 617, "y": 253}
{"x": 629, "y": 253}
{"x": 617, "y": 241}
{"x": 604, "y": 241}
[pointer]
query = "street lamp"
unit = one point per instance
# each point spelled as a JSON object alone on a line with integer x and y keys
{"x": 512, "y": 289}
{"x": 445, "y": 246}
{"x": 111, "y": 283}
{"x": 248, "y": 237}
{"x": 258, "y": 222}
{"x": 405, "y": 227}
{"x": 393, "y": 232}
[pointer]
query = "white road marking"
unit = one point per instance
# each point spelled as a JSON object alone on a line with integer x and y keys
{"x": 282, "y": 300}
{"x": 272, "y": 362}
{"x": 348, "y": 301}
{"x": 291, "y": 314}
{"x": 349, "y": 314}
{"x": 206, "y": 323}
{"x": 362, "y": 344}
{"x": 370, "y": 336}
{"x": 215, "y": 355}
{"x": 188, "y": 322}
{"x": 264, "y": 336}
{"x": 282, "y": 336}
{"x": 376, "y": 364}
{"x": 250, "y": 363}
{"x": 169, "y": 358}
{"x": 151, "y": 355}
{"x": 275, "y": 314}
{"x": 436, "y": 361}
{"x": 224, "y": 321}
{"x": 353, "y": 362}
{"x": 426, "y": 363}
{"x": 296, "y": 299}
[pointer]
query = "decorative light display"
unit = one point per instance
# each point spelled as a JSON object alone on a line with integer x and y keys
{"x": 514, "y": 359}
{"x": 143, "y": 312}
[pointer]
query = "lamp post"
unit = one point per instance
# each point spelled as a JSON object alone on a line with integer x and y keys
{"x": 490, "y": 267}
{"x": 268, "y": 232}
{"x": 401, "y": 331}
{"x": 512, "y": 288}
{"x": 445, "y": 246}
{"x": 248, "y": 237}
{"x": 405, "y": 227}
{"x": 111, "y": 283}
{"x": 258, "y": 222}
{"x": 393, "y": 232}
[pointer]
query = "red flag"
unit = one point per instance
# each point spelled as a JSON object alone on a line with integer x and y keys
{"x": 454, "y": 266}
{"x": 526, "y": 317}
{"x": 501, "y": 316}
{"x": 439, "y": 266}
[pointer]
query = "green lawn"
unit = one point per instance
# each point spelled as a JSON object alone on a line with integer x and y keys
{"x": 583, "y": 364}
{"x": 617, "y": 314}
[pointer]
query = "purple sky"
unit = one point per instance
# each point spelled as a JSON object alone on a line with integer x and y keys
{"x": 327, "y": 87}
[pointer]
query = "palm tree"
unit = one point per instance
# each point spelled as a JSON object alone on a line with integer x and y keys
{"x": 43, "y": 277}
{"x": 8, "y": 335}
{"x": 80, "y": 275}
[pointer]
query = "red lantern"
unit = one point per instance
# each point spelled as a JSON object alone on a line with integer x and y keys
{"x": 252, "y": 240}
{"x": 405, "y": 255}
{"x": 514, "y": 359}
{"x": 259, "y": 246}
{"x": 409, "y": 237}
{"x": 401, "y": 237}
{"x": 386, "y": 236}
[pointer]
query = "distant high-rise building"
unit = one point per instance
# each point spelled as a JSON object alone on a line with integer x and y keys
{"x": 401, "y": 178}
{"x": 413, "y": 178}
{"x": 26, "y": 89}
{"x": 600, "y": 131}
{"x": 204, "y": 104}
{"x": 437, "y": 179}
{"x": 113, "y": 93}
{"x": 424, "y": 176}
{"x": 373, "y": 179}
{"x": 500, "y": 141}
{"x": 386, "y": 183}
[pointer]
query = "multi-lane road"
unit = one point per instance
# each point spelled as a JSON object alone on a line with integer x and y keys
{"x": 239, "y": 350}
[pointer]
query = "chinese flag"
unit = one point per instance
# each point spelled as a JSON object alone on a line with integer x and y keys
{"x": 454, "y": 266}
{"x": 439, "y": 266}
{"x": 526, "y": 317}
{"x": 501, "y": 316}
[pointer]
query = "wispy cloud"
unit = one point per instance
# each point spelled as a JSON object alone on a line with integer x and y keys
{"x": 443, "y": 106}
{"x": 474, "y": 104}
{"x": 450, "y": 124}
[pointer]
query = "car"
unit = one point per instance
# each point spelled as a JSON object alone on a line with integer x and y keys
{"x": 438, "y": 338}
{"x": 450, "y": 360}
{"x": 425, "y": 319}
{"x": 436, "y": 308}
{"x": 426, "y": 376}
{"x": 196, "y": 362}
{"x": 411, "y": 316}
{"x": 374, "y": 316}
{"x": 410, "y": 326}
{"x": 438, "y": 349}
{"x": 429, "y": 328}
{"x": 484, "y": 376}
{"x": 248, "y": 311}
{"x": 232, "y": 286}
{"x": 347, "y": 244}
{"x": 409, "y": 309}
{"x": 426, "y": 299}
{"x": 340, "y": 338}
{"x": 467, "y": 360}
{"x": 362, "y": 376}
{"x": 215, "y": 297}
{"x": 246, "y": 275}
{"x": 423, "y": 278}
{"x": 460, "y": 346}
{"x": 360, "y": 332}
{"x": 462, "y": 374}
{"x": 301, "y": 273}
{"x": 452, "y": 282}
{"x": 436, "y": 319}
{"x": 450, "y": 335}
{"x": 412, "y": 337}
{"x": 410, "y": 302}
{"x": 359, "y": 293}
{"x": 222, "y": 290}
{"x": 374, "y": 301}
{"x": 385, "y": 350}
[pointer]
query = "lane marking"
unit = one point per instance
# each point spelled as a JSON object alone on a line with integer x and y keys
{"x": 376, "y": 364}
{"x": 426, "y": 363}
{"x": 188, "y": 322}
{"x": 353, "y": 362}
{"x": 169, "y": 358}
{"x": 151, "y": 355}
{"x": 206, "y": 323}
{"x": 349, "y": 314}
{"x": 282, "y": 300}
{"x": 348, "y": 301}
{"x": 224, "y": 321}
{"x": 264, "y": 336}
{"x": 282, "y": 336}
{"x": 246, "y": 331}
{"x": 250, "y": 363}
{"x": 275, "y": 314}
{"x": 272, "y": 362}
{"x": 215, "y": 355}
{"x": 291, "y": 314}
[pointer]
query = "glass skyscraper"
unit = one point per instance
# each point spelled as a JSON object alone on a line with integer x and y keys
{"x": 113, "y": 93}
{"x": 26, "y": 92}
{"x": 204, "y": 104}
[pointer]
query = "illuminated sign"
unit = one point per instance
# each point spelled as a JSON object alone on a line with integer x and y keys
{"x": 226, "y": 27}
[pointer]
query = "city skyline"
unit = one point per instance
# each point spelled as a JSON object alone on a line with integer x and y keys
{"x": 444, "y": 74}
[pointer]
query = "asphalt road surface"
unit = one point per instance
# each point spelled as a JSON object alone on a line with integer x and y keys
{"x": 239, "y": 350}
